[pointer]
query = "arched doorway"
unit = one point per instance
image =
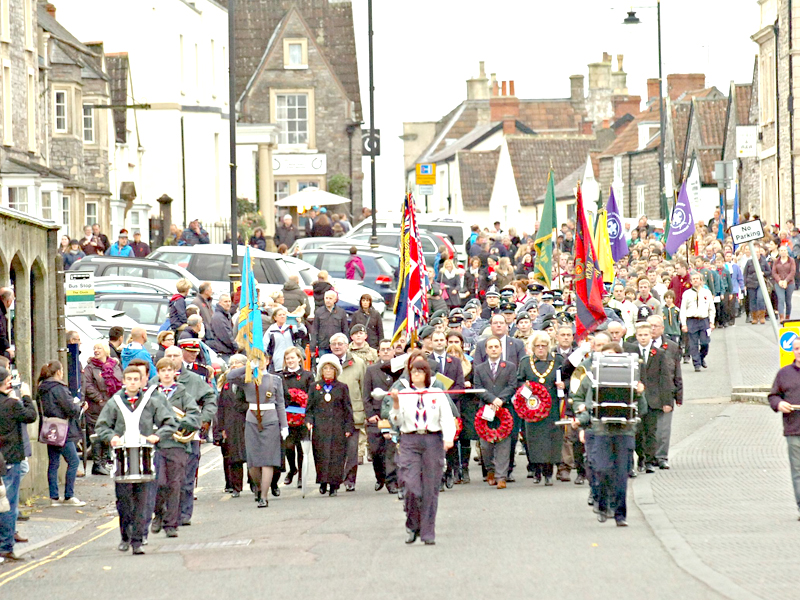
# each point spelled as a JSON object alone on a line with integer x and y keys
{"x": 3, "y": 270}
{"x": 38, "y": 313}
{"x": 19, "y": 323}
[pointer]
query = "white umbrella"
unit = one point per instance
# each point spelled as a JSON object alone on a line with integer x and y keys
{"x": 307, "y": 468}
{"x": 312, "y": 196}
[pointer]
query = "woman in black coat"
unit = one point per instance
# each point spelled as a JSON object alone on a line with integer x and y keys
{"x": 475, "y": 278}
{"x": 450, "y": 281}
{"x": 329, "y": 418}
{"x": 55, "y": 400}
{"x": 370, "y": 319}
{"x": 295, "y": 378}
{"x": 231, "y": 412}
{"x": 257, "y": 240}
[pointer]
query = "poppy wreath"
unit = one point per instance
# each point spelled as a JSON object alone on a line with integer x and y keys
{"x": 297, "y": 398}
{"x": 537, "y": 406}
{"x": 459, "y": 427}
{"x": 494, "y": 434}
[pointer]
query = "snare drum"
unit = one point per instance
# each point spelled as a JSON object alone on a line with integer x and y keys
{"x": 134, "y": 464}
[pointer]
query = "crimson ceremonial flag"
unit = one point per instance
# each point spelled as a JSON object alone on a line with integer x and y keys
{"x": 588, "y": 278}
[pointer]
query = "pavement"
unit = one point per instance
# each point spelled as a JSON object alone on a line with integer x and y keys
{"x": 721, "y": 523}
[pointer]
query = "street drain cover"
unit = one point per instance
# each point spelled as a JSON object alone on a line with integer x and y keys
{"x": 205, "y": 546}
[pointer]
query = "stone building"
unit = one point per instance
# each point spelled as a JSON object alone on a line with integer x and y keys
{"x": 778, "y": 161}
{"x": 296, "y": 67}
{"x": 740, "y": 114}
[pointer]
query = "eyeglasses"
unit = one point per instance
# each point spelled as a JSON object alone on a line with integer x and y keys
{"x": 417, "y": 370}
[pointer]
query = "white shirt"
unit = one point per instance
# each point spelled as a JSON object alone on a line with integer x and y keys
{"x": 697, "y": 304}
{"x": 439, "y": 415}
{"x": 503, "y": 346}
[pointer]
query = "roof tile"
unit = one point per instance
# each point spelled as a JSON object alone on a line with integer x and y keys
{"x": 477, "y": 170}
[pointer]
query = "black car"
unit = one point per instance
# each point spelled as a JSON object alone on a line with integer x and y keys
{"x": 379, "y": 274}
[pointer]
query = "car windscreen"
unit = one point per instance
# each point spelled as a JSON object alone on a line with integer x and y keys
{"x": 454, "y": 232}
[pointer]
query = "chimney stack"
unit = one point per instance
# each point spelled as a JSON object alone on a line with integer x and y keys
{"x": 495, "y": 88}
{"x": 679, "y": 83}
{"x": 511, "y": 87}
{"x": 503, "y": 88}
{"x": 478, "y": 87}
{"x": 51, "y": 9}
{"x": 652, "y": 88}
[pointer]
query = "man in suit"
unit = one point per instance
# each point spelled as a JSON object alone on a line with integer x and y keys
{"x": 379, "y": 376}
{"x": 449, "y": 366}
{"x": 565, "y": 346}
{"x": 653, "y": 371}
{"x": 513, "y": 350}
{"x": 674, "y": 376}
{"x": 499, "y": 378}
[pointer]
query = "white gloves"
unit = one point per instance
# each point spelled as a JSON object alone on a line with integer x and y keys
{"x": 284, "y": 432}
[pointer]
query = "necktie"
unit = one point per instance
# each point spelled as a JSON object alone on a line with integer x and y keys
{"x": 644, "y": 356}
{"x": 494, "y": 369}
{"x": 421, "y": 414}
{"x": 441, "y": 364}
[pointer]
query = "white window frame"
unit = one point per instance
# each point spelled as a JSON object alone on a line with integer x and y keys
{"x": 66, "y": 210}
{"x": 28, "y": 8}
{"x": 197, "y": 70}
{"x": 183, "y": 66}
{"x": 5, "y": 21}
{"x": 282, "y": 193}
{"x": 65, "y": 116}
{"x": 8, "y": 106}
{"x": 640, "y": 200}
{"x": 31, "y": 97}
{"x": 92, "y": 216}
{"x": 48, "y": 205}
{"x": 90, "y": 129}
{"x": 287, "y": 44}
{"x": 284, "y": 135}
{"x": 24, "y": 206}
{"x": 213, "y": 70}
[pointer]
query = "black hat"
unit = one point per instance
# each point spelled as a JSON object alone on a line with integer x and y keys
{"x": 548, "y": 321}
{"x": 455, "y": 320}
{"x": 565, "y": 317}
{"x": 509, "y": 308}
{"x": 425, "y": 332}
{"x": 356, "y": 328}
{"x": 535, "y": 288}
{"x": 523, "y": 315}
{"x": 556, "y": 293}
{"x": 558, "y": 302}
{"x": 642, "y": 313}
{"x": 507, "y": 292}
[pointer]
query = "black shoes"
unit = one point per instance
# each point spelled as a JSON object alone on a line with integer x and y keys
{"x": 537, "y": 479}
{"x": 124, "y": 546}
{"x": 465, "y": 477}
{"x": 155, "y": 526}
{"x": 663, "y": 464}
{"x": 263, "y": 503}
{"x": 601, "y": 514}
{"x": 335, "y": 492}
{"x": 411, "y": 537}
{"x": 429, "y": 542}
{"x": 622, "y": 523}
{"x": 323, "y": 488}
{"x": 391, "y": 488}
{"x": 99, "y": 468}
{"x": 580, "y": 480}
{"x": 650, "y": 468}
{"x": 349, "y": 487}
{"x": 289, "y": 477}
{"x": 448, "y": 480}
{"x": 510, "y": 478}
{"x": 378, "y": 486}
{"x": 276, "y": 491}
{"x": 705, "y": 366}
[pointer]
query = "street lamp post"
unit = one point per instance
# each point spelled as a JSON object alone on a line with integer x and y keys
{"x": 373, "y": 240}
{"x": 235, "y": 274}
{"x": 632, "y": 19}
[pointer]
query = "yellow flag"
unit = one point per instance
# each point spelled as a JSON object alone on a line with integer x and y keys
{"x": 603, "y": 244}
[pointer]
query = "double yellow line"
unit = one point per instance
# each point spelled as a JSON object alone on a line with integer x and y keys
{"x": 21, "y": 570}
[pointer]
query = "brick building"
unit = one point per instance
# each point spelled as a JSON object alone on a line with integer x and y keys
{"x": 296, "y": 67}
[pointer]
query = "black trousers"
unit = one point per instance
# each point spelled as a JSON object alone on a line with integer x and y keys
{"x": 294, "y": 449}
{"x": 611, "y": 462}
{"x": 383, "y": 454}
{"x": 132, "y": 509}
{"x": 646, "y": 437}
{"x": 171, "y": 469}
{"x": 234, "y": 473}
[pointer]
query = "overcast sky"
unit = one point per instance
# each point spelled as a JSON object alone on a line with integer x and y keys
{"x": 426, "y": 50}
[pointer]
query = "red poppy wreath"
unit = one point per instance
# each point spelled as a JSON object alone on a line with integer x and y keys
{"x": 459, "y": 427}
{"x": 298, "y": 398}
{"x": 535, "y": 407}
{"x": 494, "y": 434}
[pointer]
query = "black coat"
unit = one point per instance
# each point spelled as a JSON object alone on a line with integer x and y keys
{"x": 231, "y": 412}
{"x": 5, "y": 334}
{"x": 452, "y": 287}
{"x": 377, "y": 377}
{"x": 331, "y": 421}
{"x": 300, "y": 380}
{"x": 452, "y": 369}
{"x": 326, "y": 323}
{"x": 544, "y": 437}
{"x": 223, "y": 340}
{"x": 373, "y": 322}
{"x": 14, "y": 414}
{"x": 56, "y": 401}
{"x": 476, "y": 284}
{"x": 515, "y": 351}
{"x": 750, "y": 277}
{"x": 285, "y": 235}
{"x": 655, "y": 375}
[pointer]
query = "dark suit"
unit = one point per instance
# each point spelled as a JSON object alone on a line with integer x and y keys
{"x": 514, "y": 351}
{"x": 675, "y": 377}
{"x": 658, "y": 391}
{"x": 379, "y": 377}
{"x": 502, "y": 385}
{"x": 453, "y": 370}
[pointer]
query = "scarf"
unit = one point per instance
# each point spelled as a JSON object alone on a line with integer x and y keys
{"x": 113, "y": 385}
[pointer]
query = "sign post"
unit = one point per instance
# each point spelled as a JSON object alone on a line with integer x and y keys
{"x": 426, "y": 179}
{"x": 748, "y": 233}
{"x": 79, "y": 291}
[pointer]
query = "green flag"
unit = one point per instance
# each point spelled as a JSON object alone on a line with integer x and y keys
{"x": 543, "y": 242}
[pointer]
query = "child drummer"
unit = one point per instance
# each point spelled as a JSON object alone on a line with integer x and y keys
{"x": 155, "y": 423}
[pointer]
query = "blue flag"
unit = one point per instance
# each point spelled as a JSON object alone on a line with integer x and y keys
{"x": 735, "y": 219}
{"x": 723, "y": 219}
{"x": 681, "y": 227}
{"x": 616, "y": 234}
{"x": 251, "y": 335}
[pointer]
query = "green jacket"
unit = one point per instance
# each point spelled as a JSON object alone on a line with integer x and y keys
{"x": 191, "y": 419}
{"x": 672, "y": 320}
{"x": 157, "y": 417}
{"x": 202, "y": 393}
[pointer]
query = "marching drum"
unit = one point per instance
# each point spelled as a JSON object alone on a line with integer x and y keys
{"x": 615, "y": 380}
{"x": 134, "y": 464}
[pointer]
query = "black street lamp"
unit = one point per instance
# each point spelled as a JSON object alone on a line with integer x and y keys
{"x": 632, "y": 19}
{"x": 235, "y": 273}
{"x": 373, "y": 240}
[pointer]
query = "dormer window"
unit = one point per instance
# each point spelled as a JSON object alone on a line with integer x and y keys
{"x": 295, "y": 53}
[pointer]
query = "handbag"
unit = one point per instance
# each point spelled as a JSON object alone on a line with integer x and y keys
{"x": 5, "y": 505}
{"x": 54, "y": 431}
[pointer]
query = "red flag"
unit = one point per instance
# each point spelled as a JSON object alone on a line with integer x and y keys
{"x": 588, "y": 278}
